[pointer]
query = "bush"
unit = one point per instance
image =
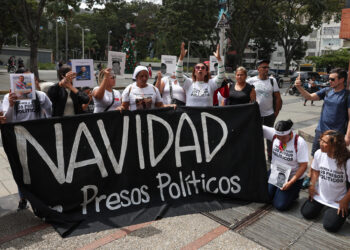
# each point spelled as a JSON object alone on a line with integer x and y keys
{"x": 154, "y": 59}
{"x": 46, "y": 66}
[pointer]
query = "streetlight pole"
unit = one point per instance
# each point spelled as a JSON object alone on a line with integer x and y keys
{"x": 57, "y": 57}
{"x": 82, "y": 42}
{"x": 66, "y": 41}
{"x": 188, "y": 53}
{"x": 109, "y": 34}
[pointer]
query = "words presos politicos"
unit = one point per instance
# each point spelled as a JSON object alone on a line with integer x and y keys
{"x": 23, "y": 136}
{"x": 168, "y": 189}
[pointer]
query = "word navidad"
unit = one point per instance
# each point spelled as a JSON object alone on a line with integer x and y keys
{"x": 58, "y": 170}
{"x": 187, "y": 186}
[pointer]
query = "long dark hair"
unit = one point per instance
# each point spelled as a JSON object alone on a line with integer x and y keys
{"x": 207, "y": 76}
{"x": 337, "y": 146}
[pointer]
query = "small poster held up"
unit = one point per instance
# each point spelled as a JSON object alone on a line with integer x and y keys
{"x": 23, "y": 85}
{"x": 279, "y": 174}
{"x": 85, "y": 72}
{"x": 213, "y": 67}
{"x": 168, "y": 65}
{"x": 116, "y": 61}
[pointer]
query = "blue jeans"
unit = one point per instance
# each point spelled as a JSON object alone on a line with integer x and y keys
{"x": 282, "y": 200}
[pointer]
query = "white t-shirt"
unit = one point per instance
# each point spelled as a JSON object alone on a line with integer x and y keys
{"x": 141, "y": 98}
{"x": 199, "y": 93}
{"x": 178, "y": 91}
{"x": 101, "y": 105}
{"x": 331, "y": 182}
{"x": 26, "y": 110}
{"x": 264, "y": 94}
{"x": 288, "y": 156}
{"x": 69, "y": 107}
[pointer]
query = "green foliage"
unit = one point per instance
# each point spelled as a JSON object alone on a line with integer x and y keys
{"x": 50, "y": 66}
{"x": 334, "y": 59}
{"x": 154, "y": 59}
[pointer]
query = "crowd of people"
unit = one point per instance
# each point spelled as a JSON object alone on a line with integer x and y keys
{"x": 329, "y": 172}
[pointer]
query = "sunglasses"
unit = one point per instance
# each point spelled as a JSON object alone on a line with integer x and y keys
{"x": 200, "y": 67}
{"x": 265, "y": 67}
{"x": 332, "y": 79}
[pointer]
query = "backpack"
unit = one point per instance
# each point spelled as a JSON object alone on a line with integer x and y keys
{"x": 274, "y": 99}
{"x": 295, "y": 142}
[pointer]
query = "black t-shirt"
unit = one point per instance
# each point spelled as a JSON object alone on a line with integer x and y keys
{"x": 239, "y": 97}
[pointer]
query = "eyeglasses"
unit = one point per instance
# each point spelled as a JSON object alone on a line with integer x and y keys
{"x": 321, "y": 140}
{"x": 200, "y": 67}
{"x": 265, "y": 67}
{"x": 332, "y": 79}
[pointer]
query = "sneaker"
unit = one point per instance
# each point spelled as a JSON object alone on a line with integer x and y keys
{"x": 22, "y": 204}
{"x": 306, "y": 183}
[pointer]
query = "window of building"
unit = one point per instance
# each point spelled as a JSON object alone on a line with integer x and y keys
{"x": 331, "y": 30}
{"x": 311, "y": 44}
{"x": 311, "y": 54}
{"x": 279, "y": 54}
{"x": 313, "y": 34}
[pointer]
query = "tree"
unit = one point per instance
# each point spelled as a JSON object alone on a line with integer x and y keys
{"x": 28, "y": 14}
{"x": 339, "y": 58}
{"x": 186, "y": 20}
{"x": 295, "y": 19}
{"x": 91, "y": 43}
{"x": 247, "y": 16}
{"x": 8, "y": 26}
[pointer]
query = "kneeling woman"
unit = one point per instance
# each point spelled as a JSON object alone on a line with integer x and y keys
{"x": 331, "y": 169}
{"x": 290, "y": 150}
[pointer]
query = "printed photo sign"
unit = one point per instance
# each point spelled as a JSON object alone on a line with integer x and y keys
{"x": 23, "y": 85}
{"x": 168, "y": 65}
{"x": 85, "y": 73}
{"x": 116, "y": 61}
{"x": 279, "y": 174}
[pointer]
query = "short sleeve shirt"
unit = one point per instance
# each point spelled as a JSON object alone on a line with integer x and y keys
{"x": 141, "y": 98}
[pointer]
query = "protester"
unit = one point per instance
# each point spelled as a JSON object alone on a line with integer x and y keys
{"x": 266, "y": 91}
{"x": 200, "y": 89}
{"x": 331, "y": 170}
{"x": 66, "y": 99}
{"x": 291, "y": 150}
{"x": 171, "y": 91}
{"x": 90, "y": 106}
{"x": 335, "y": 111}
{"x": 312, "y": 88}
{"x": 105, "y": 97}
{"x": 141, "y": 95}
{"x": 23, "y": 110}
{"x": 240, "y": 92}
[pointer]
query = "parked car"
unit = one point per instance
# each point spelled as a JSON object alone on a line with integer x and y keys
{"x": 254, "y": 72}
{"x": 324, "y": 81}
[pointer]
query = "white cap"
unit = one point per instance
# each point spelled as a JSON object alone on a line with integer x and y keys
{"x": 137, "y": 70}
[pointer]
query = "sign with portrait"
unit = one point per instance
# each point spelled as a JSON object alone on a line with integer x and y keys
{"x": 23, "y": 85}
{"x": 84, "y": 69}
{"x": 168, "y": 64}
{"x": 116, "y": 61}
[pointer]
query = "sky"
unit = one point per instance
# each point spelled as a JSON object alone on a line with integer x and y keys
{"x": 83, "y": 5}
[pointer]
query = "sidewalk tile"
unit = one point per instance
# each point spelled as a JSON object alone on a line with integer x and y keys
{"x": 11, "y": 186}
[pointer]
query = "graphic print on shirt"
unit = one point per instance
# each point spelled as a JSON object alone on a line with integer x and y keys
{"x": 200, "y": 92}
{"x": 143, "y": 101}
{"x": 262, "y": 90}
{"x": 26, "y": 107}
{"x": 286, "y": 154}
{"x": 330, "y": 175}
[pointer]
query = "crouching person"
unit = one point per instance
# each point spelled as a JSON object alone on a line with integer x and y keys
{"x": 328, "y": 187}
{"x": 290, "y": 151}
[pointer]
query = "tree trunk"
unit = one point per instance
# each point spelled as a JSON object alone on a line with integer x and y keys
{"x": 34, "y": 56}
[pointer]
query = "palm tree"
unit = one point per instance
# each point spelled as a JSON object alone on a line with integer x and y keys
{"x": 91, "y": 44}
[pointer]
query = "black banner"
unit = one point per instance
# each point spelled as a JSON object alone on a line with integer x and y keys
{"x": 91, "y": 172}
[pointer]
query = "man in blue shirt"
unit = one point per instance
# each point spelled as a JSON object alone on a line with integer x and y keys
{"x": 336, "y": 106}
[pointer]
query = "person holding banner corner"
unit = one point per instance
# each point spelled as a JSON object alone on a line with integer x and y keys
{"x": 291, "y": 150}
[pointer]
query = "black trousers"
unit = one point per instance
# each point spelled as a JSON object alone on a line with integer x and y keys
{"x": 269, "y": 121}
{"x": 331, "y": 220}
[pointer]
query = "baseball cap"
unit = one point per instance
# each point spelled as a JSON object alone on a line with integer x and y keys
{"x": 262, "y": 61}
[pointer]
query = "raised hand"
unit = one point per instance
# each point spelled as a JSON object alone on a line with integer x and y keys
{"x": 217, "y": 53}
{"x": 183, "y": 51}
{"x": 297, "y": 82}
{"x": 12, "y": 98}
